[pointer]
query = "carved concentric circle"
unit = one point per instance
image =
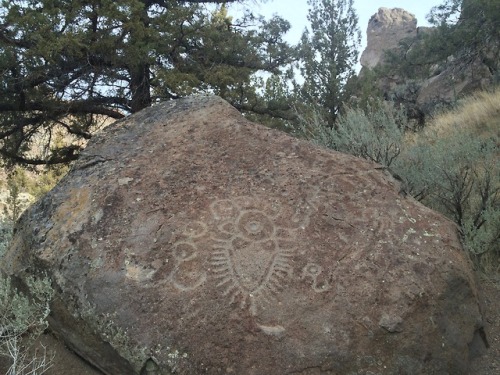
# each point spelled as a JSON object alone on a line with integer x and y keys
{"x": 255, "y": 226}
{"x": 312, "y": 269}
{"x": 184, "y": 251}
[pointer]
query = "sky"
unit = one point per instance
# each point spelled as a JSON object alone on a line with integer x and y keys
{"x": 295, "y": 11}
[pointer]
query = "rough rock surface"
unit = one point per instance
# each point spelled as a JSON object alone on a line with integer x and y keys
{"x": 386, "y": 29}
{"x": 188, "y": 240}
{"x": 453, "y": 82}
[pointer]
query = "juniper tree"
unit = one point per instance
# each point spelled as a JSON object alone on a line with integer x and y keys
{"x": 66, "y": 65}
{"x": 329, "y": 52}
{"x": 470, "y": 29}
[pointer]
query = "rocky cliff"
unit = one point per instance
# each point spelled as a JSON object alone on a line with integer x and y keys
{"x": 386, "y": 29}
{"x": 391, "y": 30}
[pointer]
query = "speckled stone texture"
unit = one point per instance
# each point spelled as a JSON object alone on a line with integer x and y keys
{"x": 189, "y": 240}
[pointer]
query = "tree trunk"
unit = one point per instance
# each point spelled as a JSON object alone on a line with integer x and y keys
{"x": 140, "y": 87}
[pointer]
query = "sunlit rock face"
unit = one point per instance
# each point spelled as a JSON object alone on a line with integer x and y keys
{"x": 189, "y": 240}
{"x": 385, "y": 30}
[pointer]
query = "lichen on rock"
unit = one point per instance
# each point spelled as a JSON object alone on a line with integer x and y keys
{"x": 211, "y": 244}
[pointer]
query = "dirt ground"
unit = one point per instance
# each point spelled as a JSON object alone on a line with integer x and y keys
{"x": 67, "y": 363}
{"x": 489, "y": 362}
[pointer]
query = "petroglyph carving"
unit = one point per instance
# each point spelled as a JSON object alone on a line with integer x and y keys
{"x": 313, "y": 271}
{"x": 195, "y": 229}
{"x": 187, "y": 273}
{"x": 272, "y": 330}
{"x": 252, "y": 252}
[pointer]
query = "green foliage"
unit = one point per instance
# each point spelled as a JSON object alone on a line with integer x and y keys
{"x": 45, "y": 180}
{"x": 471, "y": 28}
{"x": 22, "y": 320}
{"x": 230, "y": 60}
{"x": 275, "y": 108}
{"x": 364, "y": 88}
{"x": 454, "y": 169}
{"x": 328, "y": 54}
{"x": 14, "y": 204}
{"x": 459, "y": 176}
{"x": 465, "y": 31}
{"x": 6, "y": 227}
{"x": 375, "y": 133}
{"x": 67, "y": 64}
{"x": 16, "y": 182}
{"x": 22, "y": 188}
{"x": 415, "y": 57}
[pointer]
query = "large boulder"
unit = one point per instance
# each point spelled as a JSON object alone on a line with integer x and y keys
{"x": 189, "y": 240}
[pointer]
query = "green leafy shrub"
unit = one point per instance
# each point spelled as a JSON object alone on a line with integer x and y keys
{"x": 458, "y": 175}
{"x": 46, "y": 179}
{"x": 22, "y": 320}
{"x": 6, "y": 227}
{"x": 16, "y": 181}
{"x": 19, "y": 189}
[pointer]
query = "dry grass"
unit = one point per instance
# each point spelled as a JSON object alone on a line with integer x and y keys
{"x": 453, "y": 166}
{"x": 479, "y": 113}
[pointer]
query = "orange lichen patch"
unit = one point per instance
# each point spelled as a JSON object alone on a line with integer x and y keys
{"x": 74, "y": 208}
{"x": 70, "y": 214}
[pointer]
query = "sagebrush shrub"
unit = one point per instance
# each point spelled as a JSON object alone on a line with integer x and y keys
{"x": 22, "y": 320}
{"x": 458, "y": 174}
{"x": 454, "y": 169}
{"x": 375, "y": 133}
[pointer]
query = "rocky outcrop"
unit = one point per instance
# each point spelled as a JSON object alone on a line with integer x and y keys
{"x": 453, "y": 81}
{"x": 386, "y": 29}
{"x": 188, "y": 240}
{"x": 445, "y": 82}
